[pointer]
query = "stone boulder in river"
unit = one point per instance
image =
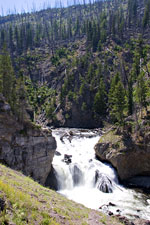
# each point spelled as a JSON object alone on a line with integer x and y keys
{"x": 130, "y": 156}
{"x": 103, "y": 182}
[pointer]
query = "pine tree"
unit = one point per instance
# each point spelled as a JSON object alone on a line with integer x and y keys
{"x": 7, "y": 76}
{"x": 100, "y": 99}
{"x": 130, "y": 96}
{"x": 11, "y": 44}
{"x": 116, "y": 99}
{"x": 113, "y": 84}
{"x": 141, "y": 91}
{"x": 146, "y": 14}
{"x": 136, "y": 65}
{"x": 21, "y": 103}
{"x": 2, "y": 36}
{"x": 89, "y": 31}
{"x": 119, "y": 103}
{"x": 91, "y": 73}
{"x": 132, "y": 10}
{"x": 17, "y": 39}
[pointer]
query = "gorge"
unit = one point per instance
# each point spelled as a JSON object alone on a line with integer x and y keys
{"x": 72, "y": 169}
{"x": 75, "y": 114}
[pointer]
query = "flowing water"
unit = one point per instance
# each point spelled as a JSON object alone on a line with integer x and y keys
{"x": 84, "y": 179}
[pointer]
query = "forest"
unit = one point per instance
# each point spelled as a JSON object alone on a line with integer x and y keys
{"x": 78, "y": 66}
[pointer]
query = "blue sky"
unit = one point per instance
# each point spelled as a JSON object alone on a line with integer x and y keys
{"x": 7, "y": 6}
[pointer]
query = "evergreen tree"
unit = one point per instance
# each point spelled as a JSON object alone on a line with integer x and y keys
{"x": 141, "y": 91}
{"x": 11, "y": 44}
{"x": 77, "y": 26}
{"x": 146, "y": 14}
{"x": 116, "y": 100}
{"x": 136, "y": 65}
{"x": 100, "y": 99}
{"x": 132, "y": 10}
{"x": 130, "y": 96}
{"x": 119, "y": 103}
{"x": 89, "y": 31}
{"x": 17, "y": 38}
{"x": 7, "y": 76}
{"x": 21, "y": 101}
{"x": 29, "y": 36}
{"x": 91, "y": 73}
{"x": 113, "y": 84}
{"x": 3, "y": 37}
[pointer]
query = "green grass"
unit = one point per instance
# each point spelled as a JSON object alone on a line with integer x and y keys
{"x": 110, "y": 137}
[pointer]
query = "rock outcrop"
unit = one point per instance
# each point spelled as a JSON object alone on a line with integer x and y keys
{"x": 24, "y": 146}
{"x": 129, "y": 155}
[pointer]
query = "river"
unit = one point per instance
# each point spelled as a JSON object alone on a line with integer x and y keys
{"x": 86, "y": 180}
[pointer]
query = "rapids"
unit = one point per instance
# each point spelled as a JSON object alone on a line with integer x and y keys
{"x": 84, "y": 179}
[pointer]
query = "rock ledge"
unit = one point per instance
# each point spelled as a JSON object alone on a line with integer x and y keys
{"x": 130, "y": 157}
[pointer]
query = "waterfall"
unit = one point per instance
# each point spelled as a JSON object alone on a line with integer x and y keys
{"x": 84, "y": 179}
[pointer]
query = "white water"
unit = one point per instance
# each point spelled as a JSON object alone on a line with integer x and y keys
{"x": 129, "y": 202}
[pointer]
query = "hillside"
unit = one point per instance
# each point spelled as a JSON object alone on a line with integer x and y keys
{"x": 23, "y": 201}
{"x": 68, "y": 58}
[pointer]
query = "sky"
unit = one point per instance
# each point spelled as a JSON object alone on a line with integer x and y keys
{"x": 12, "y": 6}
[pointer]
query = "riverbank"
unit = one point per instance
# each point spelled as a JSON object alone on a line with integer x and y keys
{"x": 128, "y": 151}
{"x": 23, "y": 201}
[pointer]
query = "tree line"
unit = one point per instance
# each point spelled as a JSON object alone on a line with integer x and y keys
{"x": 95, "y": 21}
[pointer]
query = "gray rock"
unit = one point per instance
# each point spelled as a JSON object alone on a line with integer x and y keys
{"x": 25, "y": 147}
{"x": 67, "y": 159}
{"x": 103, "y": 182}
{"x": 130, "y": 158}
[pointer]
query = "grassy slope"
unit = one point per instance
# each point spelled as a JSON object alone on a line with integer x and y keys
{"x": 23, "y": 201}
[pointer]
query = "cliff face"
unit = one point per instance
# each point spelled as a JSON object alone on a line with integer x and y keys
{"x": 24, "y": 146}
{"x": 130, "y": 156}
{"x": 74, "y": 116}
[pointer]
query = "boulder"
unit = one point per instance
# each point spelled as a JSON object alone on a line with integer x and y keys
{"x": 103, "y": 182}
{"x": 57, "y": 153}
{"x": 67, "y": 158}
{"x": 130, "y": 157}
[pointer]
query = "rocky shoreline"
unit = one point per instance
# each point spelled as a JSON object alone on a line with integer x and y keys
{"x": 129, "y": 156}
